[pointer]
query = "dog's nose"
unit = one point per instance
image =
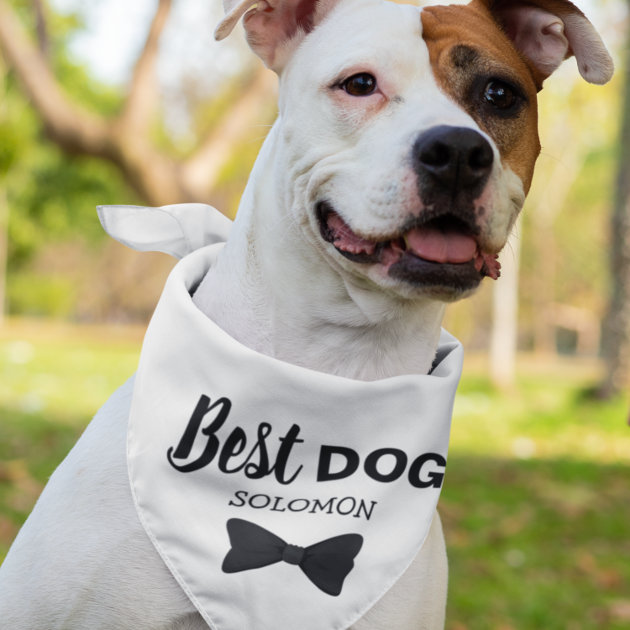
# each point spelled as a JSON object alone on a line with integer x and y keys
{"x": 453, "y": 157}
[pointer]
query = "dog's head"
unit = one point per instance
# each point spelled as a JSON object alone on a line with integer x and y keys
{"x": 408, "y": 137}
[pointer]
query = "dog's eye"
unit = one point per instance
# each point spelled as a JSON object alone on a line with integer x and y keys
{"x": 500, "y": 95}
{"x": 361, "y": 84}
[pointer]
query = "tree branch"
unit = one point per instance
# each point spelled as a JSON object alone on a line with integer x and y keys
{"x": 75, "y": 129}
{"x": 201, "y": 171}
{"x": 125, "y": 140}
{"x": 42, "y": 30}
{"x": 142, "y": 89}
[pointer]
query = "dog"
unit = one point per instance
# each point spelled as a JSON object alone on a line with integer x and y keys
{"x": 401, "y": 157}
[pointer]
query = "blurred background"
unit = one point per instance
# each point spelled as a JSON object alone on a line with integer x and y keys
{"x": 113, "y": 102}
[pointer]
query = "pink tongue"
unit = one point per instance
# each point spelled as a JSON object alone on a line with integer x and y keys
{"x": 441, "y": 247}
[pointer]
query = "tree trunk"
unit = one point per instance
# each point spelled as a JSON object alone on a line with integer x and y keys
{"x": 544, "y": 208}
{"x": 616, "y": 325}
{"x": 504, "y": 339}
{"x": 4, "y": 249}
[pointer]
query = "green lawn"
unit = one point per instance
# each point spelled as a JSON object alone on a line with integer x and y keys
{"x": 536, "y": 504}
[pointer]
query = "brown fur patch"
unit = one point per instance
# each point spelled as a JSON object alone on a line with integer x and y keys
{"x": 467, "y": 48}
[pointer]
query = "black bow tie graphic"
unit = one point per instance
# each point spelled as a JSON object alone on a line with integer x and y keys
{"x": 326, "y": 564}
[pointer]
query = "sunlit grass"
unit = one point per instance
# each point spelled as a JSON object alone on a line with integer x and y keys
{"x": 547, "y": 415}
{"x": 64, "y": 373}
{"x": 536, "y": 505}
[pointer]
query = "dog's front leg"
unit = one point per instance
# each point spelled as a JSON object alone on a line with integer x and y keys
{"x": 418, "y": 602}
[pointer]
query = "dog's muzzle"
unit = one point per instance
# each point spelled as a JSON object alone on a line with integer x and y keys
{"x": 439, "y": 246}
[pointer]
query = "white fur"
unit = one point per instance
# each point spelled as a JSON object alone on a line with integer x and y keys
{"x": 280, "y": 289}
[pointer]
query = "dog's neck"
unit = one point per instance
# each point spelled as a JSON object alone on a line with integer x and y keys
{"x": 273, "y": 291}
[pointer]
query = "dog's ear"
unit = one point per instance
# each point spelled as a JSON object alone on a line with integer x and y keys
{"x": 272, "y": 24}
{"x": 546, "y": 32}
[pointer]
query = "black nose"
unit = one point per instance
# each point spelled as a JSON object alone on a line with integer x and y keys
{"x": 453, "y": 157}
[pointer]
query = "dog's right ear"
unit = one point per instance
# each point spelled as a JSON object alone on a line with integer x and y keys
{"x": 272, "y": 26}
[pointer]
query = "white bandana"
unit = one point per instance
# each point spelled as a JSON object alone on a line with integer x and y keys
{"x": 279, "y": 497}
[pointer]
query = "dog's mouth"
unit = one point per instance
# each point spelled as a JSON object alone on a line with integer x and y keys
{"x": 437, "y": 251}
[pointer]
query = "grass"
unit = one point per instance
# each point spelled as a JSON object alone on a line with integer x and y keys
{"x": 537, "y": 544}
{"x": 536, "y": 505}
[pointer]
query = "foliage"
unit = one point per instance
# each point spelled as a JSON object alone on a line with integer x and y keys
{"x": 54, "y": 198}
{"x": 51, "y": 296}
{"x": 535, "y": 502}
{"x": 51, "y": 196}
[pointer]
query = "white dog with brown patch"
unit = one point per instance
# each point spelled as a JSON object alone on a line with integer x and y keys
{"x": 401, "y": 157}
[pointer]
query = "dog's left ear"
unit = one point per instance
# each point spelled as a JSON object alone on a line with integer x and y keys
{"x": 272, "y": 25}
{"x": 546, "y": 32}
